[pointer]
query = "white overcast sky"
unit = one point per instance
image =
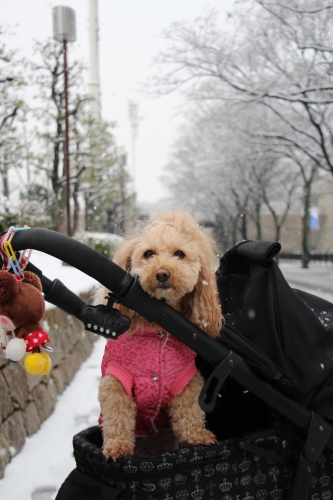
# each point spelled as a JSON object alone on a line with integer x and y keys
{"x": 130, "y": 36}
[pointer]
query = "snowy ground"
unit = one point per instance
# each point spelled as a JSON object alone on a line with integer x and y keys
{"x": 53, "y": 268}
{"x": 317, "y": 279}
{"x": 46, "y": 459}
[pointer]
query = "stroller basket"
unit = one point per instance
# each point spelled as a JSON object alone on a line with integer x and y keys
{"x": 223, "y": 470}
{"x": 292, "y": 459}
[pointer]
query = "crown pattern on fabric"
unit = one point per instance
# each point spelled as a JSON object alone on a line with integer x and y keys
{"x": 259, "y": 478}
{"x": 326, "y": 495}
{"x": 164, "y": 465}
{"x": 130, "y": 469}
{"x": 225, "y": 486}
{"x": 196, "y": 458}
{"x": 245, "y": 465}
{"x": 324, "y": 480}
{"x": 277, "y": 493}
{"x": 198, "y": 494}
{"x": 225, "y": 453}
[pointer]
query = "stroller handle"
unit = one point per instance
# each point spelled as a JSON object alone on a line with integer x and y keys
{"x": 126, "y": 288}
{"x": 132, "y": 296}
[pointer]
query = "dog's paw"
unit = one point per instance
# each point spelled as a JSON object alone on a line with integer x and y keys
{"x": 116, "y": 450}
{"x": 203, "y": 437}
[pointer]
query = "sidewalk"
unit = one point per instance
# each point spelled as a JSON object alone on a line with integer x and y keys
{"x": 46, "y": 459}
{"x": 37, "y": 472}
{"x": 317, "y": 279}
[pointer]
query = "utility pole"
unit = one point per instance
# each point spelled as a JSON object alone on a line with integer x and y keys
{"x": 64, "y": 31}
{"x": 134, "y": 120}
{"x": 94, "y": 84}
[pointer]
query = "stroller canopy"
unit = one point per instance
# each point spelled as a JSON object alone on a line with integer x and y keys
{"x": 286, "y": 333}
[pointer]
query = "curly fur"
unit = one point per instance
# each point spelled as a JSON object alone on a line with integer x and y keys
{"x": 178, "y": 248}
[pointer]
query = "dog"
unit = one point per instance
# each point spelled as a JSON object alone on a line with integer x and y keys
{"x": 149, "y": 378}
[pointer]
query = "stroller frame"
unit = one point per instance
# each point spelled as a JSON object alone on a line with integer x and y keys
{"x": 126, "y": 289}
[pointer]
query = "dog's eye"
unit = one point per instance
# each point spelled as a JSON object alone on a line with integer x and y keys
{"x": 148, "y": 254}
{"x": 179, "y": 254}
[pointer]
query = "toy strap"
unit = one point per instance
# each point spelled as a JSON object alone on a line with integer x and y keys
{"x": 8, "y": 255}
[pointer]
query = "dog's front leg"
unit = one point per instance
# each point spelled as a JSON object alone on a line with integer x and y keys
{"x": 118, "y": 410}
{"x": 187, "y": 418}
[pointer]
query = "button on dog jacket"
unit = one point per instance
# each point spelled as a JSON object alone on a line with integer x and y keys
{"x": 152, "y": 366}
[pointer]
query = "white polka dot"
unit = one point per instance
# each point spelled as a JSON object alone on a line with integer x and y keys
{"x": 35, "y": 341}
{"x": 26, "y": 341}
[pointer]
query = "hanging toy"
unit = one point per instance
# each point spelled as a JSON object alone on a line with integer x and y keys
{"x": 22, "y": 307}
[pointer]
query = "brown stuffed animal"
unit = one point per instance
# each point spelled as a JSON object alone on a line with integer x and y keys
{"x": 22, "y": 307}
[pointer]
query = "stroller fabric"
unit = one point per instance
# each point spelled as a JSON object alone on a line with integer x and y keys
{"x": 286, "y": 333}
{"x": 221, "y": 471}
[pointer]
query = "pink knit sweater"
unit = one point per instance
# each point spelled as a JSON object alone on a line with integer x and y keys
{"x": 152, "y": 365}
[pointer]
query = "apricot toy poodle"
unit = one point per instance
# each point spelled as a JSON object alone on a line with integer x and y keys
{"x": 149, "y": 378}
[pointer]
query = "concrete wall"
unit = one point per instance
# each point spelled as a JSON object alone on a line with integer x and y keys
{"x": 27, "y": 400}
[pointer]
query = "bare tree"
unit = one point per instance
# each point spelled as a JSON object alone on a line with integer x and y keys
{"x": 48, "y": 76}
{"x": 12, "y": 108}
{"x": 226, "y": 177}
{"x": 272, "y": 56}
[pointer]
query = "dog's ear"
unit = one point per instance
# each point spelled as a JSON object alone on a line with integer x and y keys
{"x": 206, "y": 304}
{"x": 123, "y": 256}
{"x": 202, "y": 305}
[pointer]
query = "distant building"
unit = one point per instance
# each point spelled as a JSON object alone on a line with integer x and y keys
{"x": 321, "y": 234}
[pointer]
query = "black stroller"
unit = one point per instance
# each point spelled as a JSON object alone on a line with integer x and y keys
{"x": 268, "y": 392}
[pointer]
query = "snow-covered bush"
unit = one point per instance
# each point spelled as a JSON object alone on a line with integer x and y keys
{"x": 104, "y": 243}
{"x": 8, "y": 214}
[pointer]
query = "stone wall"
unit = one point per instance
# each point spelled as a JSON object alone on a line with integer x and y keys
{"x": 27, "y": 400}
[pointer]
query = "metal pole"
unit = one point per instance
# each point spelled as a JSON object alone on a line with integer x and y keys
{"x": 122, "y": 189}
{"x": 66, "y": 143}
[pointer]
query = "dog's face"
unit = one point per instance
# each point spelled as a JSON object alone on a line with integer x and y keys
{"x": 174, "y": 260}
{"x": 167, "y": 262}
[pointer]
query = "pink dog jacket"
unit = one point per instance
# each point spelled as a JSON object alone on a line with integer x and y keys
{"x": 152, "y": 365}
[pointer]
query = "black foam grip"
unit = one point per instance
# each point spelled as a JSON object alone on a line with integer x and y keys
{"x": 62, "y": 297}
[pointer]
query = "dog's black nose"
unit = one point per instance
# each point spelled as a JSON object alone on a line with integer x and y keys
{"x": 162, "y": 275}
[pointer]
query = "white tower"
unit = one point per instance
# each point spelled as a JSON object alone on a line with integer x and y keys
{"x": 133, "y": 111}
{"x": 93, "y": 85}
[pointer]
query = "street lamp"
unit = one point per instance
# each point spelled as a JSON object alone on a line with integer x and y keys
{"x": 64, "y": 31}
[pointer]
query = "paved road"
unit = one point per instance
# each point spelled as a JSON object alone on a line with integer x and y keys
{"x": 318, "y": 279}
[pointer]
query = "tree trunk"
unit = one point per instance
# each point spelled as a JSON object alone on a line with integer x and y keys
{"x": 5, "y": 184}
{"x": 306, "y": 226}
{"x": 243, "y": 226}
{"x": 76, "y": 209}
{"x": 57, "y": 215}
{"x": 86, "y": 212}
{"x": 258, "y": 221}
{"x": 277, "y": 225}
{"x": 234, "y": 233}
